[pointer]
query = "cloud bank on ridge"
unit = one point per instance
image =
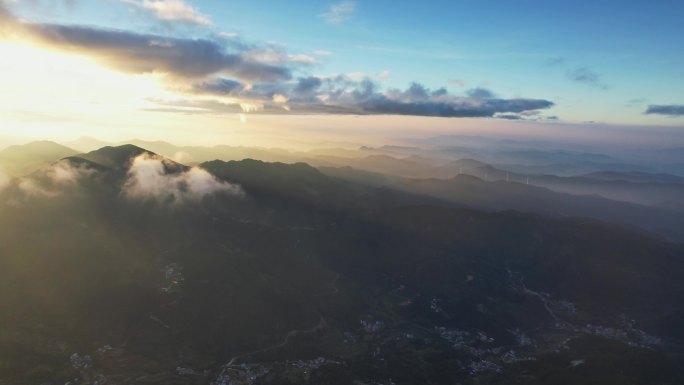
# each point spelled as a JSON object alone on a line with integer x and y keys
{"x": 148, "y": 179}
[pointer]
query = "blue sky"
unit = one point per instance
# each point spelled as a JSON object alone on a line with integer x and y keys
{"x": 592, "y": 61}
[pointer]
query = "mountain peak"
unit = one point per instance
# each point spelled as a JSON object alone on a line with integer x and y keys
{"x": 85, "y": 144}
{"x": 35, "y": 148}
{"x": 115, "y": 156}
{"x": 23, "y": 159}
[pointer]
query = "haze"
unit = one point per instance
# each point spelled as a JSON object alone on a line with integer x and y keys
{"x": 347, "y": 192}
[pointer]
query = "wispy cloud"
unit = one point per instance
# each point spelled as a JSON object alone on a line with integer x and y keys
{"x": 57, "y": 179}
{"x": 672, "y": 110}
{"x": 172, "y": 10}
{"x": 43, "y": 5}
{"x": 555, "y": 61}
{"x": 4, "y": 179}
{"x": 578, "y": 74}
{"x": 422, "y": 53}
{"x": 532, "y": 115}
{"x": 384, "y": 75}
{"x": 341, "y": 12}
{"x": 586, "y": 76}
{"x": 145, "y": 53}
{"x": 275, "y": 55}
{"x": 149, "y": 179}
{"x": 635, "y": 102}
{"x": 218, "y": 75}
{"x": 509, "y": 116}
{"x": 320, "y": 52}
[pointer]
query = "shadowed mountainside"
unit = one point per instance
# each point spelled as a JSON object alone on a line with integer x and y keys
{"x": 304, "y": 278}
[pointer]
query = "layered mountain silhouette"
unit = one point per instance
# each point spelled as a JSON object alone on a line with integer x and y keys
{"x": 279, "y": 273}
{"x": 20, "y": 160}
{"x": 635, "y": 187}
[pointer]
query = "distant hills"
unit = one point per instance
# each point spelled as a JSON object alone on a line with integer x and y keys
{"x": 516, "y": 194}
{"x": 635, "y": 187}
{"x": 315, "y": 276}
{"x": 193, "y": 154}
{"x": 646, "y": 200}
{"x": 635, "y": 176}
{"x": 18, "y": 160}
{"x": 114, "y": 157}
{"x": 502, "y": 195}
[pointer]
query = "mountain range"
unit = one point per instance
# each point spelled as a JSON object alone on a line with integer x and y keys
{"x": 123, "y": 266}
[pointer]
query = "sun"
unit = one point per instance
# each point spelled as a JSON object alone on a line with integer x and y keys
{"x": 39, "y": 83}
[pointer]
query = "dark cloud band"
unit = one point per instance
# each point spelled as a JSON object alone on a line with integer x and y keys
{"x": 669, "y": 110}
{"x": 217, "y": 69}
{"x": 144, "y": 53}
{"x": 343, "y": 95}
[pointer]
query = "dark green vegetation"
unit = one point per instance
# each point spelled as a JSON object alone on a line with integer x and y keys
{"x": 310, "y": 279}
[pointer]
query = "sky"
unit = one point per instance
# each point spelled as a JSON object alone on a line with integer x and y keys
{"x": 304, "y": 72}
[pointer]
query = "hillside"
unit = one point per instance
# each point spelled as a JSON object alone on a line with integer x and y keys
{"x": 278, "y": 273}
{"x": 20, "y": 160}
